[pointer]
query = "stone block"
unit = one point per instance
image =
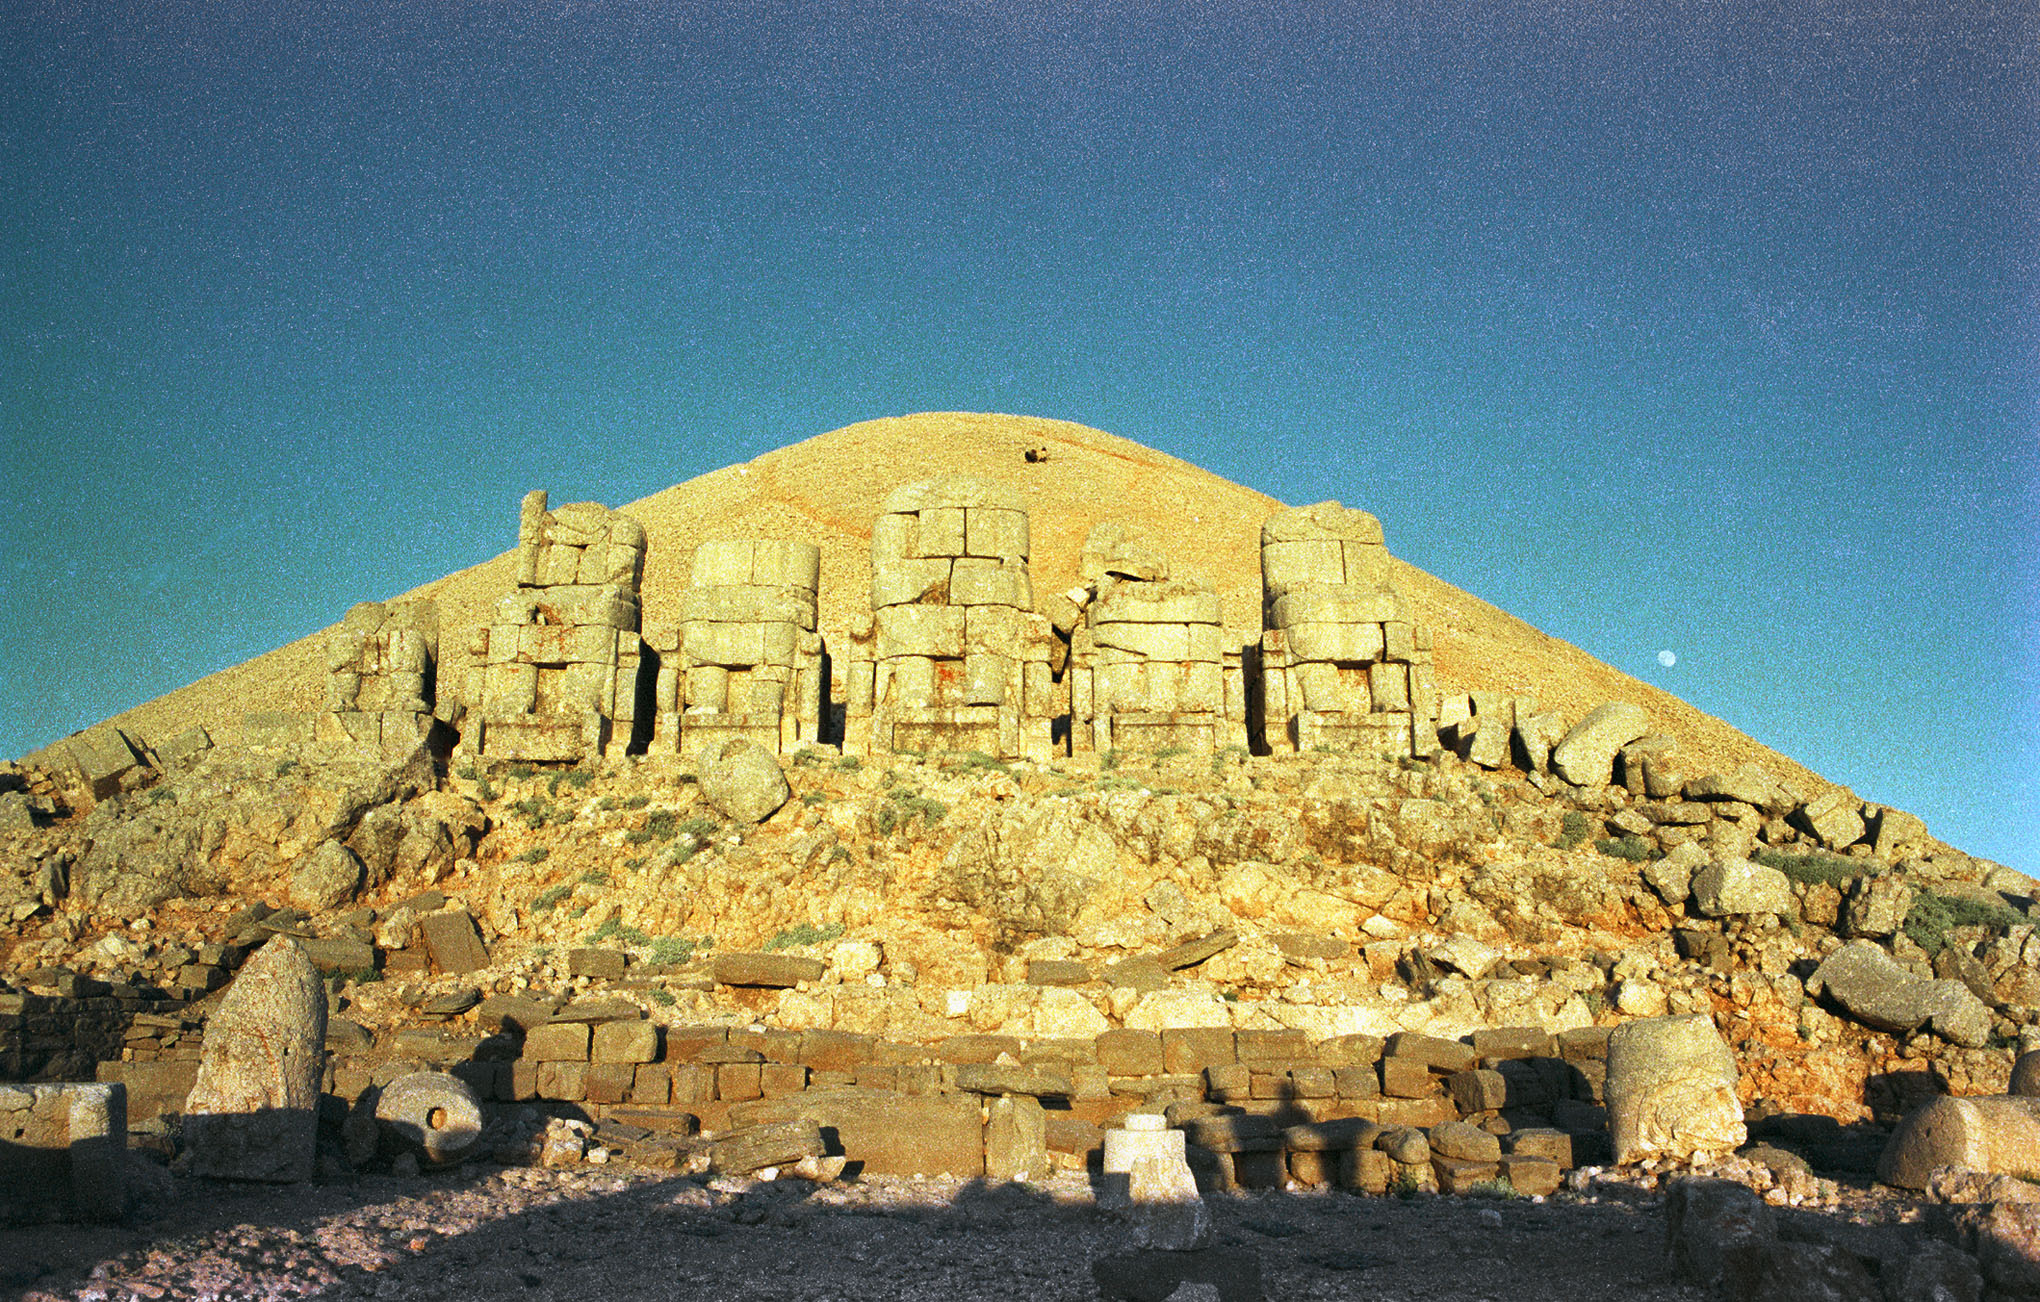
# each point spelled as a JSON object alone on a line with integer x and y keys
{"x": 739, "y": 1082}
{"x": 909, "y": 583}
{"x": 626, "y": 1042}
{"x": 565, "y": 1082}
{"x": 1406, "y": 1078}
{"x": 1192, "y": 1049}
{"x": 774, "y": 971}
{"x": 452, "y": 941}
{"x": 994, "y": 531}
{"x": 930, "y": 631}
{"x": 1130, "y": 1053}
{"x": 1257, "y": 1048}
{"x": 1435, "y": 1053}
{"x": 557, "y": 1042}
{"x": 1458, "y": 1176}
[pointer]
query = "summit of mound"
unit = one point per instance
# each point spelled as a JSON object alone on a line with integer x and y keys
{"x": 827, "y": 489}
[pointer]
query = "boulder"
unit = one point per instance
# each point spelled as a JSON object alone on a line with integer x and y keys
{"x": 1997, "y": 1134}
{"x": 2026, "y": 1074}
{"x": 1750, "y": 784}
{"x": 742, "y": 781}
{"x": 1835, "y": 819}
{"x": 1737, "y": 886}
{"x": 253, "y": 1113}
{"x": 1873, "y": 989}
{"x": 1586, "y": 757}
{"x": 1899, "y": 834}
{"x": 1671, "y": 1090}
{"x": 1877, "y": 907}
{"x": 431, "y": 1114}
{"x": 1713, "y": 1227}
{"x": 326, "y": 878}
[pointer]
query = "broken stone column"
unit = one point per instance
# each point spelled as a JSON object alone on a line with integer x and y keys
{"x": 1342, "y": 665}
{"x": 559, "y": 659}
{"x": 955, "y": 657}
{"x": 253, "y": 1114}
{"x": 746, "y": 660}
{"x": 1148, "y": 665}
{"x": 381, "y": 676}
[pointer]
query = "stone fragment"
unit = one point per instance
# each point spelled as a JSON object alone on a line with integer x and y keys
{"x": 1750, "y": 784}
{"x": 1586, "y": 757}
{"x": 739, "y": 1152}
{"x": 1163, "y": 1206}
{"x": 1737, "y": 886}
{"x": 326, "y": 878}
{"x": 1464, "y": 1142}
{"x": 1016, "y": 1139}
{"x": 1995, "y": 1134}
{"x": 773, "y": 971}
{"x": 1835, "y": 819}
{"x": 253, "y": 1113}
{"x": 1873, "y": 989}
{"x": 1671, "y": 1090}
{"x": 2026, "y": 1074}
{"x": 742, "y": 780}
{"x": 432, "y": 1114}
{"x": 453, "y": 942}
{"x": 1877, "y": 907}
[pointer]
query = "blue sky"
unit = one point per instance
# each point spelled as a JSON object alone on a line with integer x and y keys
{"x": 1706, "y": 328}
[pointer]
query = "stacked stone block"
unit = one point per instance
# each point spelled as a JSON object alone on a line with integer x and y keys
{"x": 956, "y": 657}
{"x": 1149, "y": 668}
{"x": 381, "y": 671}
{"x": 63, "y": 1152}
{"x": 1342, "y": 665}
{"x": 746, "y": 659}
{"x": 559, "y": 659}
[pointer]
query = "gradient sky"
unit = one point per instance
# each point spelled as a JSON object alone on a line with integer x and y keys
{"x": 1688, "y": 327}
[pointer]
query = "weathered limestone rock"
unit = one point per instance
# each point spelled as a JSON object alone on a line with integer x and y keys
{"x": 1737, "y": 886}
{"x": 1877, "y": 907}
{"x": 776, "y": 971}
{"x": 955, "y": 657}
{"x": 452, "y": 941}
{"x": 381, "y": 677}
{"x": 1836, "y": 818}
{"x": 1148, "y": 669}
{"x": 326, "y": 878}
{"x": 1751, "y": 784}
{"x": 742, "y": 780}
{"x": 1991, "y": 1134}
{"x": 1671, "y": 1090}
{"x": 1872, "y": 988}
{"x": 1586, "y": 757}
{"x": 746, "y": 660}
{"x": 102, "y": 757}
{"x": 2026, "y": 1074}
{"x": 1342, "y": 664}
{"x": 431, "y": 1114}
{"x": 1899, "y": 834}
{"x": 254, "y": 1112}
{"x": 558, "y": 676}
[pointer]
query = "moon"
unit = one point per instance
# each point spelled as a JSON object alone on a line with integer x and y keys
{"x": 1667, "y": 658}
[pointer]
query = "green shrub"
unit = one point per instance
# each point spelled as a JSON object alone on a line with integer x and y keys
{"x": 1498, "y": 1187}
{"x": 549, "y": 897}
{"x": 805, "y": 934}
{"x": 660, "y": 825}
{"x": 849, "y": 764}
{"x": 1572, "y": 831}
{"x": 536, "y": 854}
{"x": 537, "y": 811}
{"x": 594, "y": 877}
{"x": 1814, "y": 869}
{"x": 813, "y": 798}
{"x": 638, "y": 801}
{"x": 661, "y": 995}
{"x": 519, "y": 772}
{"x": 675, "y": 949}
{"x": 615, "y": 930}
{"x": 1404, "y": 1185}
{"x": 1635, "y": 849}
{"x": 1934, "y": 915}
{"x": 902, "y": 806}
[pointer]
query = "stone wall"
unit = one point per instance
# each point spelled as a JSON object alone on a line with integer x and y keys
{"x": 381, "y": 676}
{"x": 955, "y": 657}
{"x": 1342, "y": 667}
{"x": 747, "y": 659}
{"x": 559, "y": 659}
